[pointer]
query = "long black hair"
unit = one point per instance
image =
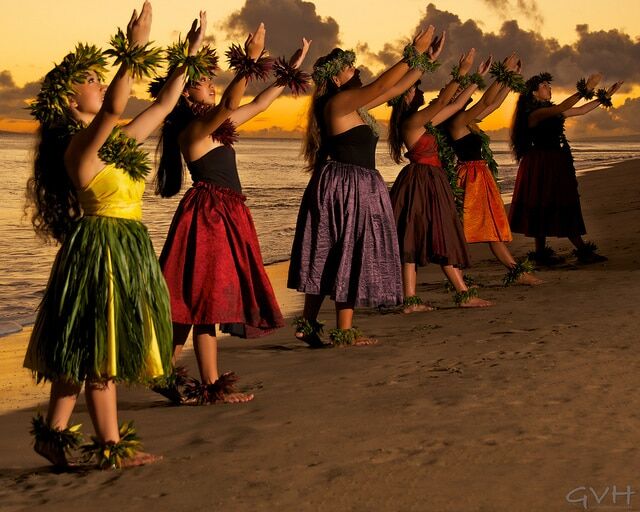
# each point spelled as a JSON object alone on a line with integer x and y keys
{"x": 51, "y": 197}
{"x": 170, "y": 173}
{"x": 312, "y": 148}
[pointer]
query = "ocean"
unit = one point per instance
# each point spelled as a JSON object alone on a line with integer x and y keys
{"x": 272, "y": 179}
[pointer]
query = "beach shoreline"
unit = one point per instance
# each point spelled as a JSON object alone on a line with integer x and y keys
{"x": 509, "y": 408}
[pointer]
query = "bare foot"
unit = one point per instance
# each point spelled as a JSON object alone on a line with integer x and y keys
{"x": 313, "y": 340}
{"x": 52, "y": 453}
{"x": 140, "y": 459}
{"x": 528, "y": 279}
{"x": 476, "y": 302}
{"x": 417, "y": 308}
{"x": 363, "y": 340}
{"x": 237, "y": 398}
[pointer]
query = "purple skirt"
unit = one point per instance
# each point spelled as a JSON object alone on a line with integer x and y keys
{"x": 345, "y": 244}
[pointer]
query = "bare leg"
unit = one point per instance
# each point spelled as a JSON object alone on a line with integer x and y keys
{"x": 577, "y": 241}
{"x": 180, "y": 335}
{"x": 206, "y": 348}
{"x": 456, "y": 279}
{"x": 62, "y": 400}
{"x": 312, "y": 304}
{"x": 409, "y": 277}
{"x": 344, "y": 320}
{"x": 505, "y": 257}
{"x": 541, "y": 243}
{"x": 103, "y": 409}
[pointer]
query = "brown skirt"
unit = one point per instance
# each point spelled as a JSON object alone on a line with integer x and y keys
{"x": 429, "y": 230}
{"x": 545, "y": 198}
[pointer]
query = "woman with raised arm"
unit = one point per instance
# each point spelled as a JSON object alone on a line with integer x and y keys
{"x": 105, "y": 313}
{"x": 345, "y": 244}
{"x": 427, "y": 222}
{"x": 211, "y": 259}
{"x": 484, "y": 217}
{"x": 545, "y": 198}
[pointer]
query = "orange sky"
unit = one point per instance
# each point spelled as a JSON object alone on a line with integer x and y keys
{"x": 35, "y": 33}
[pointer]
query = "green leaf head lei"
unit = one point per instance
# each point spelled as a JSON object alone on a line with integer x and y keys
{"x": 325, "y": 71}
{"x": 51, "y": 106}
{"x": 534, "y": 82}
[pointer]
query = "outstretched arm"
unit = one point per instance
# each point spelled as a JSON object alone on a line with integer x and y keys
{"x": 545, "y": 113}
{"x": 262, "y": 101}
{"x": 591, "y": 105}
{"x": 147, "y": 121}
{"x": 201, "y": 128}
{"x": 410, "y": 77}
{"x": 349, "y": 101}
{"x": 422, "y": 117}
{"x": 82, "y": 153}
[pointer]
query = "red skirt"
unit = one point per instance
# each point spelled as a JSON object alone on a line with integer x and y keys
{"x": 545, "y": 198}
{"x": 213, "y": 265}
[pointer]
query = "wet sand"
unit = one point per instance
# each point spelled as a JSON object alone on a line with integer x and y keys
{"x": 508, "y": 408}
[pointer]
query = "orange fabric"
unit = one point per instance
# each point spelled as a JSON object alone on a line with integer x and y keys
{"x": 484, "y": 218}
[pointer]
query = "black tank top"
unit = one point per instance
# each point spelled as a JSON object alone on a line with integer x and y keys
{"x": 356, "y": 146}
{"x": 218, "y": 167}
{"x": 468, "y": 148}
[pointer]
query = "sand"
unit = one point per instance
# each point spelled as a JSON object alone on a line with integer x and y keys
{"x": 505, "y": 409}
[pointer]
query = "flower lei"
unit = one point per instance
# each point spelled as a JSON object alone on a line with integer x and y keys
{"x": 245, "y": 66}
{"x": 51, "y": 105}
{"x": 466, "y": 80}
{"x": 140, "y": 60}
{"x": 369, "y": 119}
{"x": 203, "y": 63}
{"x": 416, "y": 60}
{"x": 447, "y": 159}
{"x": 506, "y": 77}
{"x": 332, "y": 67}
{"x": 288, "y": 76}
{"x": 226, "y": 133}
{"x": 534, "y": 82}
{"x": 603, "y": 97}
{"x": 583, "y": 91}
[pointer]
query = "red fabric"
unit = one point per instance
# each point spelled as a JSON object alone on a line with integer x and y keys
{"x": 213, "y": 266}
{"x": 425, "y": 151}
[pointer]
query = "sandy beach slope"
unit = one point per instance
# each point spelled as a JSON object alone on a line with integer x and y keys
{"x": 505, "y": 409}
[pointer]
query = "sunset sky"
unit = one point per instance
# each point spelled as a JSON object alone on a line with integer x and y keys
{"x": 569, "y": 38}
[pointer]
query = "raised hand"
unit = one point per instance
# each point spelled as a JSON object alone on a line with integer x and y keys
{"x": 466, "y": 61}
{"x": 423, "y": 39}
{"x": 593, "y": 80}
{"x": 139, "y": 27}
{"x": 436, "y": 46}
{"x": 485, "y": 65}
{"x": 196, "y": 33}
{"x": 298, "y": 57}
{"x": 511, "y": 62}
{"x": 254, "y": 45}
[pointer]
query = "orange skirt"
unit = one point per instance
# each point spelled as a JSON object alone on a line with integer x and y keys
{"x": 484, "y": 218}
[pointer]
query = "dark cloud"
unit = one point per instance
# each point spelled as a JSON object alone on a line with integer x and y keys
{"x": 613, "y": 52}
{"x": 287, "y": 22}
{"x": 602, "y": 122}
{"x": 13, "y": 99}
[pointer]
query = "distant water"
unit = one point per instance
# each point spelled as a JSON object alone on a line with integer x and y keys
{"x": 272, "y": 179}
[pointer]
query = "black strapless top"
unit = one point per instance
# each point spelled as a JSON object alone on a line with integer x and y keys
{"x": 356, "y": 146}
{"x": 468, "y": 148}
{"x": 218, "y": 167}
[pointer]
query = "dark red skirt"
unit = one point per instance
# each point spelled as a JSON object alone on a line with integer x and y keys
{"x": 545, "y": 198}
{"x": 213, "y": 266}
{"x": 429, "y": 229}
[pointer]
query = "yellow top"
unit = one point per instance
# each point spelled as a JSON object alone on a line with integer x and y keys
{"x": 112, "y": 193}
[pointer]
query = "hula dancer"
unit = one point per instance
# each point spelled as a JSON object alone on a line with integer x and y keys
{"x": 545, "y": 198}
{"x": 211, "y": 258}
{"x": 345, "y": 244}
{"x": 484, "y": 216}
{"x": 428, "y": 226}
{"x": 105, "y": 313}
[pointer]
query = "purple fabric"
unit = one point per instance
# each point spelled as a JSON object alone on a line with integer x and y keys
{"x": 346, "y": 244}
